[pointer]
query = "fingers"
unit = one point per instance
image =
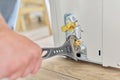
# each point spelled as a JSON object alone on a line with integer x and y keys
{"x": 38, "y": 63}
{"x": 4, "y": 76}
{"x": 20, "y": 69}
{"x": 34, "y": 63}
{"x": 25, "y": 67}
{"x": 12, "y": 74}
{"x": 29, "y": 68}
{"x": 17, "y": 74}
{"x": 23, "y": 64}
{"x": 9, "y": 70}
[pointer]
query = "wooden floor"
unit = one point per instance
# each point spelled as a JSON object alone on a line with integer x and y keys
{"x": 60, "y": 68}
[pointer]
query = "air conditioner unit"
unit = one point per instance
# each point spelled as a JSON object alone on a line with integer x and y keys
{"x": 100, "y": 22}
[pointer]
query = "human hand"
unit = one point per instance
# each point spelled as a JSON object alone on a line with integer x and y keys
{"x": 19, "y": 56}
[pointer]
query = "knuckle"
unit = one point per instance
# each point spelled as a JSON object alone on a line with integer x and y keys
{"x": 36, "y": 52}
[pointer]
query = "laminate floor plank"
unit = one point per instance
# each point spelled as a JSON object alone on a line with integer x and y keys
{"x": 48, "y": 75}
{"x": 81, "y": 70}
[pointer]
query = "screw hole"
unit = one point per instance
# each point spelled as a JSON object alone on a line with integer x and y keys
{"x": 78, "y": 55}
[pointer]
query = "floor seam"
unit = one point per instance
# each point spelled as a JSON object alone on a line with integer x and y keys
{"x": 61, "y": 73}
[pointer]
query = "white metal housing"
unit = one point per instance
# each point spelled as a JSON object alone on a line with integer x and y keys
{"x": 100, "y": 21}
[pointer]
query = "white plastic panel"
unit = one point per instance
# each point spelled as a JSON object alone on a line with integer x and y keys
{"x": 111, "y": 33}
{"x": 89, "y": 13}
